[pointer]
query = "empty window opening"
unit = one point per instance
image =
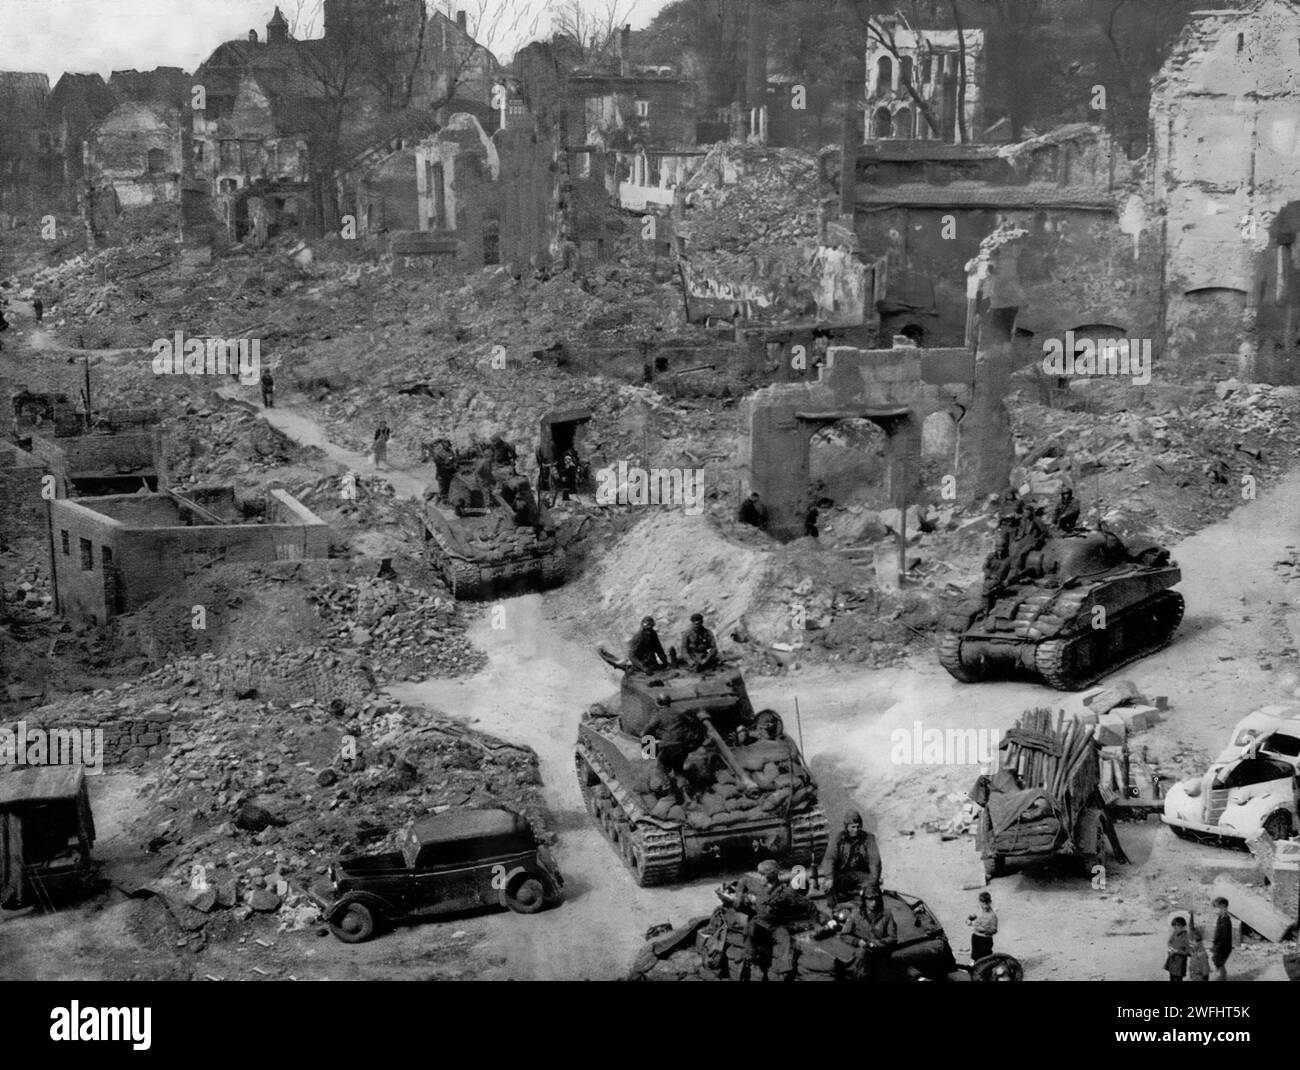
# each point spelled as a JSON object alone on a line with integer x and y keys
{"x": 67, "y": 549}
{"x": 87, "y": 555}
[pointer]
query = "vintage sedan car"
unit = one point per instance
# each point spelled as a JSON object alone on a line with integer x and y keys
{"x": 454, "y": 863}
{"x": 1251, "y": 786}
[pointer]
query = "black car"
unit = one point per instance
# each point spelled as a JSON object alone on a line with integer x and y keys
{"x": 452, "y": 863}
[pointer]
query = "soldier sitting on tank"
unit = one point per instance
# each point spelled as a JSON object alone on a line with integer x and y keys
{"x": 677, "y": 733}
{"x": 644, "y": 652}
{"x": 699, "y": 648}
{"x": 772, "y": 907}
{"x": 875, "y": 934}
{"x": 855, "y": 860}
{"x": 1065, "y": 517}
{"x": 768, "y": 725}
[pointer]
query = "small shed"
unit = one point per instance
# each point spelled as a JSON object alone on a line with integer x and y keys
{"x": 46, "y": 833}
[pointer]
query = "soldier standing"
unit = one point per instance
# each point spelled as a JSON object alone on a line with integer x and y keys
{"x": 268, "y": 389}
{"x": 38, "y": 308}
{"x": 855, "y": 862}
{"x": 444, "y": 466}
{"x": 677, "y": 733}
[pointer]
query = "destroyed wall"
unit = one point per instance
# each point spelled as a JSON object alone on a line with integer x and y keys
{"x": 130, "y": 737}
{"x": 104, "y": 565}
{"x": 137, "y": 150}
{"x": 454, "y": 172}
{"x": 22, "y": 509}
{"x": 87, "y": 459}
{"x": 528, "y": 194}
{"x": 27, "y": 160}
{"x": 886, "y": 387}
{"x": 387, "y": 197}
{"x": 651, "y": 110}
{"x": 927, "y": 208}
{"x": 1226, "y": 130}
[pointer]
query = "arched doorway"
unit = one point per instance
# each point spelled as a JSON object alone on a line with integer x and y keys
{"x": 850, "y": 461}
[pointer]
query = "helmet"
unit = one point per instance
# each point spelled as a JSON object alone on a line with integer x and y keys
{"x": 647, "y": 622}
{"x": 767, "y": 867}
{"x": 697, "y": 618}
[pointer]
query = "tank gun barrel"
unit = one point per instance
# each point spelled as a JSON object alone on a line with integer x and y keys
{"x": 746, "y": 783}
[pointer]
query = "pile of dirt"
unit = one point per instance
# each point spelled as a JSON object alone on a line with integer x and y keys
{"x": 766, "y": 602}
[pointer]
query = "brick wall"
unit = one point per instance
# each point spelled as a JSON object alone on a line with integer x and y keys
{"x": 22, "y": 509}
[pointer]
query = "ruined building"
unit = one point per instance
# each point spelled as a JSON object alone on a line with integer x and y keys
{"x": 930, "y": 62}
{"x": 110, "y": 555}
{"x": 27, "y": 159}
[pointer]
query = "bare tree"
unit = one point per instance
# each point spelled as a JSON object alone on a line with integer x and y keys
{"x": 593, "y": 24}
{"x": 881, "y": 26}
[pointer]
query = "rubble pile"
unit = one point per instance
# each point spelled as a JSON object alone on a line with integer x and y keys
{"x": 403, "y": 632}
{"x": 250, "y": 811}
{"x": 222, "y": 444}
{"x": 1163, "y": 466}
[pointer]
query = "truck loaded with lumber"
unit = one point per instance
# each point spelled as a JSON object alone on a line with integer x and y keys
{"x": 1046, "y": 800}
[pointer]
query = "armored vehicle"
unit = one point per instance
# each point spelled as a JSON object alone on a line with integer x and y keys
{"x": 713, "y": 947}
{"x": 748, "y": 795}
{"x": 482, "y": 545}
{"x": 1073, "y": 609}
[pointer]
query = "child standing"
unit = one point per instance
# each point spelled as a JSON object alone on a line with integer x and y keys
{"x": 1179, "y": 949}
{"x": 1198, "y": 963}
{"x": 984, "y": 927}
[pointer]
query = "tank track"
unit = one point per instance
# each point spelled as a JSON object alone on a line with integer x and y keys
{"x": 950, "y": 659}
{"x": 1053, "y": 657}
{"x": 808, "y": 836}
{"x": 555, "y": 569}
{"x": 652, "y": 854}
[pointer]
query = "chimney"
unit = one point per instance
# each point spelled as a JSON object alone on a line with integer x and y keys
{"x": 252, "y": 36}
{"x": 460, "y": 21}
{"x": 624, "y": 46}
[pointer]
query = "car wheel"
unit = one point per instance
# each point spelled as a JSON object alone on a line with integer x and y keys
{"x": 1278, "y": 825}
{"x": 355, "y": 924}
{"x": 527, "y": 895}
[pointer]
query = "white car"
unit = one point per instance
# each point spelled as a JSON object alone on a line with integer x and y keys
{"x": 1250, "y": 788}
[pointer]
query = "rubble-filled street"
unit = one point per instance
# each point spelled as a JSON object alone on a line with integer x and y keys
{"x": 707, "y": 490}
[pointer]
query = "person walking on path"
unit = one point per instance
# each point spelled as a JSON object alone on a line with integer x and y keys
{"x": 382, "y": 434}
{"x": 268, "y": 389}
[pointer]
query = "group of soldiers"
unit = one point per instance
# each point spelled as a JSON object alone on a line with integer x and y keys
{"x": 496, "y": 469}
{"x": 699, "y": 649}
{"x": 857, "y": 913}
{"x": 1023, "y": 530}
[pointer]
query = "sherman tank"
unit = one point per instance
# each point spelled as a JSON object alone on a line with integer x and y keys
{"x": 476, "y": 544}
{"x": 1077, "y": 607}
{"x": 751, "y": 795}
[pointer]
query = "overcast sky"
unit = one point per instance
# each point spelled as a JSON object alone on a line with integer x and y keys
{"x": 53, "y": 36}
